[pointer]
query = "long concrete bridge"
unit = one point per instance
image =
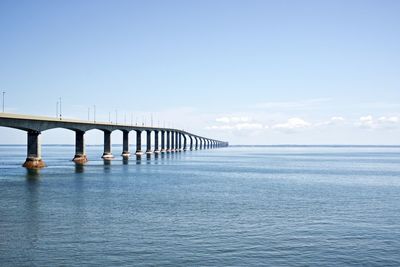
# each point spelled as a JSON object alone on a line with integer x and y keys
{"x": 171, "y": 139}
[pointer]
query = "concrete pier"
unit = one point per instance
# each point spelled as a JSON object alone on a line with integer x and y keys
{"x": 139, "y": 142}
{"x": 168, "y": 141}
{"x": 197, "y": 143}
{"x": 177, "y": 138}
{"x": 34, "y": 157}
{"x": 125, "y": 144}
{"x": 148, "y": 139}
{"x": 80, "y": 155}
{"x": 172, "y": 141}
{"x": 179, "y": 142}
{"x": 191, "y": 142}
{"x": 156, "y": 149}
{"x": 184, "y": 142}
{"x": 107, "y": 146}
{"x": 163, "y": 141}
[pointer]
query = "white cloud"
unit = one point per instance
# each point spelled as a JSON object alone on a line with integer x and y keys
{"x": 232, "y": 119}
{"x": 237, "y": 126}
{"x": 392, "y": 119}
{"x": 332, "y": 121}
{"x": 220, "y": 127}
{"x": 223, "y": 120}
{"x": 366, "y": 122}
{"x": 382, "y": 122}
{"x": 249, "y": 126}
{"x": 337, "y": 119}
{"x": 292, "y": 124}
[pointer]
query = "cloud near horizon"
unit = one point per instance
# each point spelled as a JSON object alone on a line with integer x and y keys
{"x": 298, "y": 124}
{"x": 292, "y": 124}
{"x": 369, "y": 122}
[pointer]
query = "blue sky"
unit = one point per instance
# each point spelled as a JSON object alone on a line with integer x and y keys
{"x": 250, "y": 72}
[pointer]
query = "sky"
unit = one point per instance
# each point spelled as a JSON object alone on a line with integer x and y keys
{"x": 247, "y": 72}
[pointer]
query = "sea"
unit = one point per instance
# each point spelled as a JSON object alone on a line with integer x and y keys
{"x": 234, "y": 206}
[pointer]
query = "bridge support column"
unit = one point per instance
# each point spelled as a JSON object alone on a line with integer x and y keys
{"x": 204, "y": 144}
{"x": 107, "y": 146}
{"x": 176, "y": 141}
{"x": 156, "y": 149}
{"x": 125, "y": 144}
{"x": 168, "y": 141}
{"x": 184, "y": 142}
{"x": 163, "y": 141}
{"x": 172, "y": 141}
{"x": 191, "y": 142}
{"x": 179, "y": 142}
{"x": 197, "y": 143}
{"x": 80, "y": 155}
{"x": 139, "y": 143}
{"x": 34, "y": 157}
{"x": 148, "y": 137}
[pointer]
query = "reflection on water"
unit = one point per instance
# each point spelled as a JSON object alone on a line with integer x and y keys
{"x": 79, "y": 168}
{"x": 32, "y": 174}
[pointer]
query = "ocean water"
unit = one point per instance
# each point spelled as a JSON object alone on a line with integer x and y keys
{"x": 236, "y": 206}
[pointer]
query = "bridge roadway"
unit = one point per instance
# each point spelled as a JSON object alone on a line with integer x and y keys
{"x": 171, "y": 139}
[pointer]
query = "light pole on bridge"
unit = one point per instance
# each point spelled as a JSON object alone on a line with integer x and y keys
{"x": 4, "y": 93}
{"x": 94, "y": 113}
{"x": 60, "y": 110}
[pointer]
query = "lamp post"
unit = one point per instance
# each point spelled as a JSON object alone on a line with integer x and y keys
{"x": 60, "y": 110}
{"x": 94, "y": 113}
{"x": 4, "y": 93}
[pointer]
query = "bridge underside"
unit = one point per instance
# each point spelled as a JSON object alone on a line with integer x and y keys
{"x": 171, "y": 139}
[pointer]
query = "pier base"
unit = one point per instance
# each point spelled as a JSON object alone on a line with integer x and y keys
{"x": 126, "y": 154}
{"x": 107, "y": 156}
{"x": 80, "y": 159}
{"x": 34, "y": 163}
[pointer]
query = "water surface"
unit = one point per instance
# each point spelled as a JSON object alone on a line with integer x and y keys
{"x": 237, "y": 206}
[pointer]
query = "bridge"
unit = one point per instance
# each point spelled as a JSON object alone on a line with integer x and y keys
{"x": 171, "y": 139}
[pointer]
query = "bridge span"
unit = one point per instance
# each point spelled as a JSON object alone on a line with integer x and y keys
{"x": 172, "y": 140}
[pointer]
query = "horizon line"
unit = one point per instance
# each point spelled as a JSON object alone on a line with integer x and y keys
{"x": 244, "y": 145}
